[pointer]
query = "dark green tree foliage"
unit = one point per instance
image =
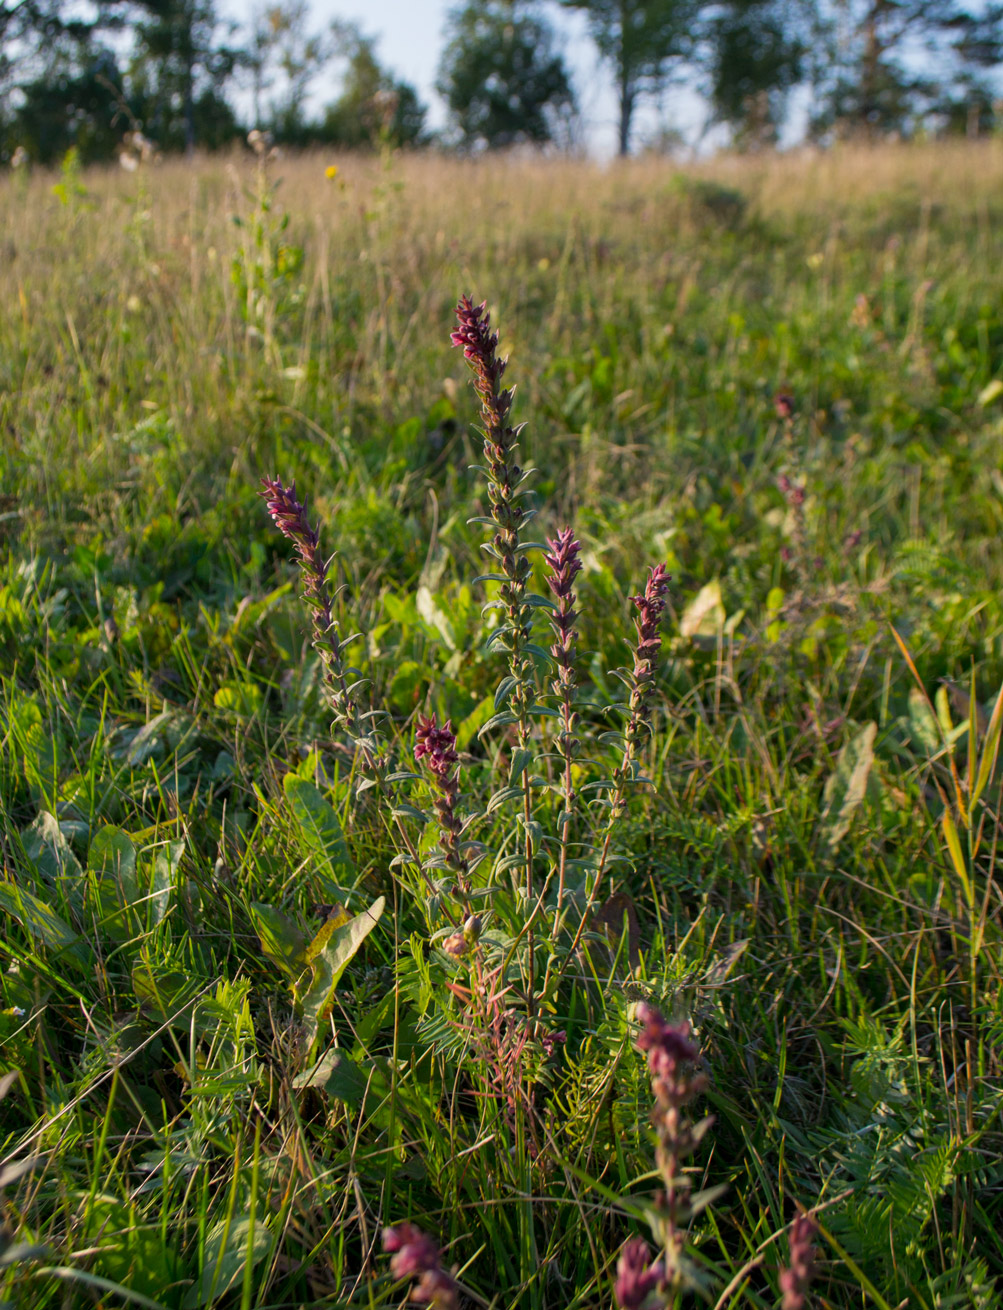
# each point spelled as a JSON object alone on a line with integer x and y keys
{"x": 57, "y": 78}
{"x": 71, "y": 105}
{"x": 374, "y": 106}
{"x": 180, "y": 71}
{"x": 755, "y": 56}
{"x": 641, "y": 40}
{"x": 502, "y": 77}
{"x": 883, "y": 66}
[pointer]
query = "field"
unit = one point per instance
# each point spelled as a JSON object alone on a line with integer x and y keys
{"x": 244, "y": 1029}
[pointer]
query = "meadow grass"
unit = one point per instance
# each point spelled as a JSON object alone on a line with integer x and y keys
{"x": 783, "y": 377}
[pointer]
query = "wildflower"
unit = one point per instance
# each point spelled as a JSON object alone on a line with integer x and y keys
{"x": 331, "y": 172}
{"x": 793, "y": 492}
{"x": 783, "y": 404}
{"x": 290, "y": 517}
{"x": 260, "y": 142}
{"x": 636, "y": 1275}
{"x": 20, "y": 158}
{"x": 565, "y": 565}
{"x": 650, "y": 606}
{"x": 480, "y": 345}
{"x": 795, "y": 1278}
{"x": 668, "y": 1045}
{"x": 414, "y": 1254}
{"x": 671, "y": 1055}
{"x": 480, "y": 349}
{"x": 437, "y": 746}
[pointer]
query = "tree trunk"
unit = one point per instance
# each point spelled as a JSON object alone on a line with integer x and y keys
{"x": 627, "y": 91}
{"x": 190, "y": 111}
{"x": 626, "y": 114}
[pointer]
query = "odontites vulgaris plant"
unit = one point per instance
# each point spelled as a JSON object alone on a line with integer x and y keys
{"x": 643, "y": 1281}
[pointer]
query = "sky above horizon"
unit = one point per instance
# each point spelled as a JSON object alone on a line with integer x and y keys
{"x": 410, "y": 39}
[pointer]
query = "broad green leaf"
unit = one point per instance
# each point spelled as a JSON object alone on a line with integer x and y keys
{"x": 281, "y": 940}
{"x": 339, "y": 1076}
{"x": 111, "y": 862}
{"x": 406, "y": 686}
{"x": 127, "y": 1252}
{"x": 923, "y": 725}
{"x": 165, "y": 867}
{"x": 331, "y": 963}
{"x": 244, "y": 698}
{"x": 227, "y": 1250}
{"x": 146, "y": 742}
{"x": 320, "y": 833}
{"x": 337, "y": 917}
{"x": 165, "y": 993}
{"x": 847, "y": 786}
{"x": 43, "y": 922}
{"x": 113, "y": 854}
{"x": 49, "y": 851}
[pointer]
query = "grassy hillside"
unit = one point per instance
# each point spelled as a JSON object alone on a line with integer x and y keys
{"x": 780, "y": 377}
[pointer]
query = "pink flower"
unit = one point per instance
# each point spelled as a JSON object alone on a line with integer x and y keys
{"x": 636, "y": 1276}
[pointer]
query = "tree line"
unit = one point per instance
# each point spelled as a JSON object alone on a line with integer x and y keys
{"x": 184, "y": 77}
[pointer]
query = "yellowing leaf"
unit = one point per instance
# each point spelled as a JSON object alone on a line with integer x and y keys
{"x": 847, "y": 786}
{"x": 704, "y": 616}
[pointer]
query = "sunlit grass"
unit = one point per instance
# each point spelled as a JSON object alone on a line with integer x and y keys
{"x": 793, "y": 887}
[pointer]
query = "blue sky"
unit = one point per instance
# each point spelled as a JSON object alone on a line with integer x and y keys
{"x": 410, "y": 41}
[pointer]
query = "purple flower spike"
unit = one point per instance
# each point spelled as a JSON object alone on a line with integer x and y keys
{"x": 562, "y": 559}
{"x": 650, "y": 606}
{"x": 668, "y": 1045}
{"x": 415, "y": 1255}
{"x": 290, "y": 517}
{"x": 794, "y": 1280}
{"x": 437, "y": 747}
{"x": 504, "y": 479}
{"x": 636, "y": 1276}
{"x": 479, "y": 343}
{"x": 438, "y": 744}
{"x": 671, "y": 1053}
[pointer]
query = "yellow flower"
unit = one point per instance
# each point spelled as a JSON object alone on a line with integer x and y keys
{"x": 331, "y": 171}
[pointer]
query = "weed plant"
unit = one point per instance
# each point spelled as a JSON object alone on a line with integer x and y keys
{"x": 438, "y": 1000}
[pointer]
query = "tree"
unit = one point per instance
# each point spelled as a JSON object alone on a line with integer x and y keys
{"x": 57, "y": 78}
{"x": 640, "y": 40}
{"x": 754, "y": 56}
{"x": 373, "y": 106}
{"x": 502, "y": 77}
{"x": 180, "y": 70}
{"x": 71, "y": 104}
{"x": 887, "y": 65}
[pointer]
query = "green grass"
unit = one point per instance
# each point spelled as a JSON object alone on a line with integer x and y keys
{"x": 841, "y": 969}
